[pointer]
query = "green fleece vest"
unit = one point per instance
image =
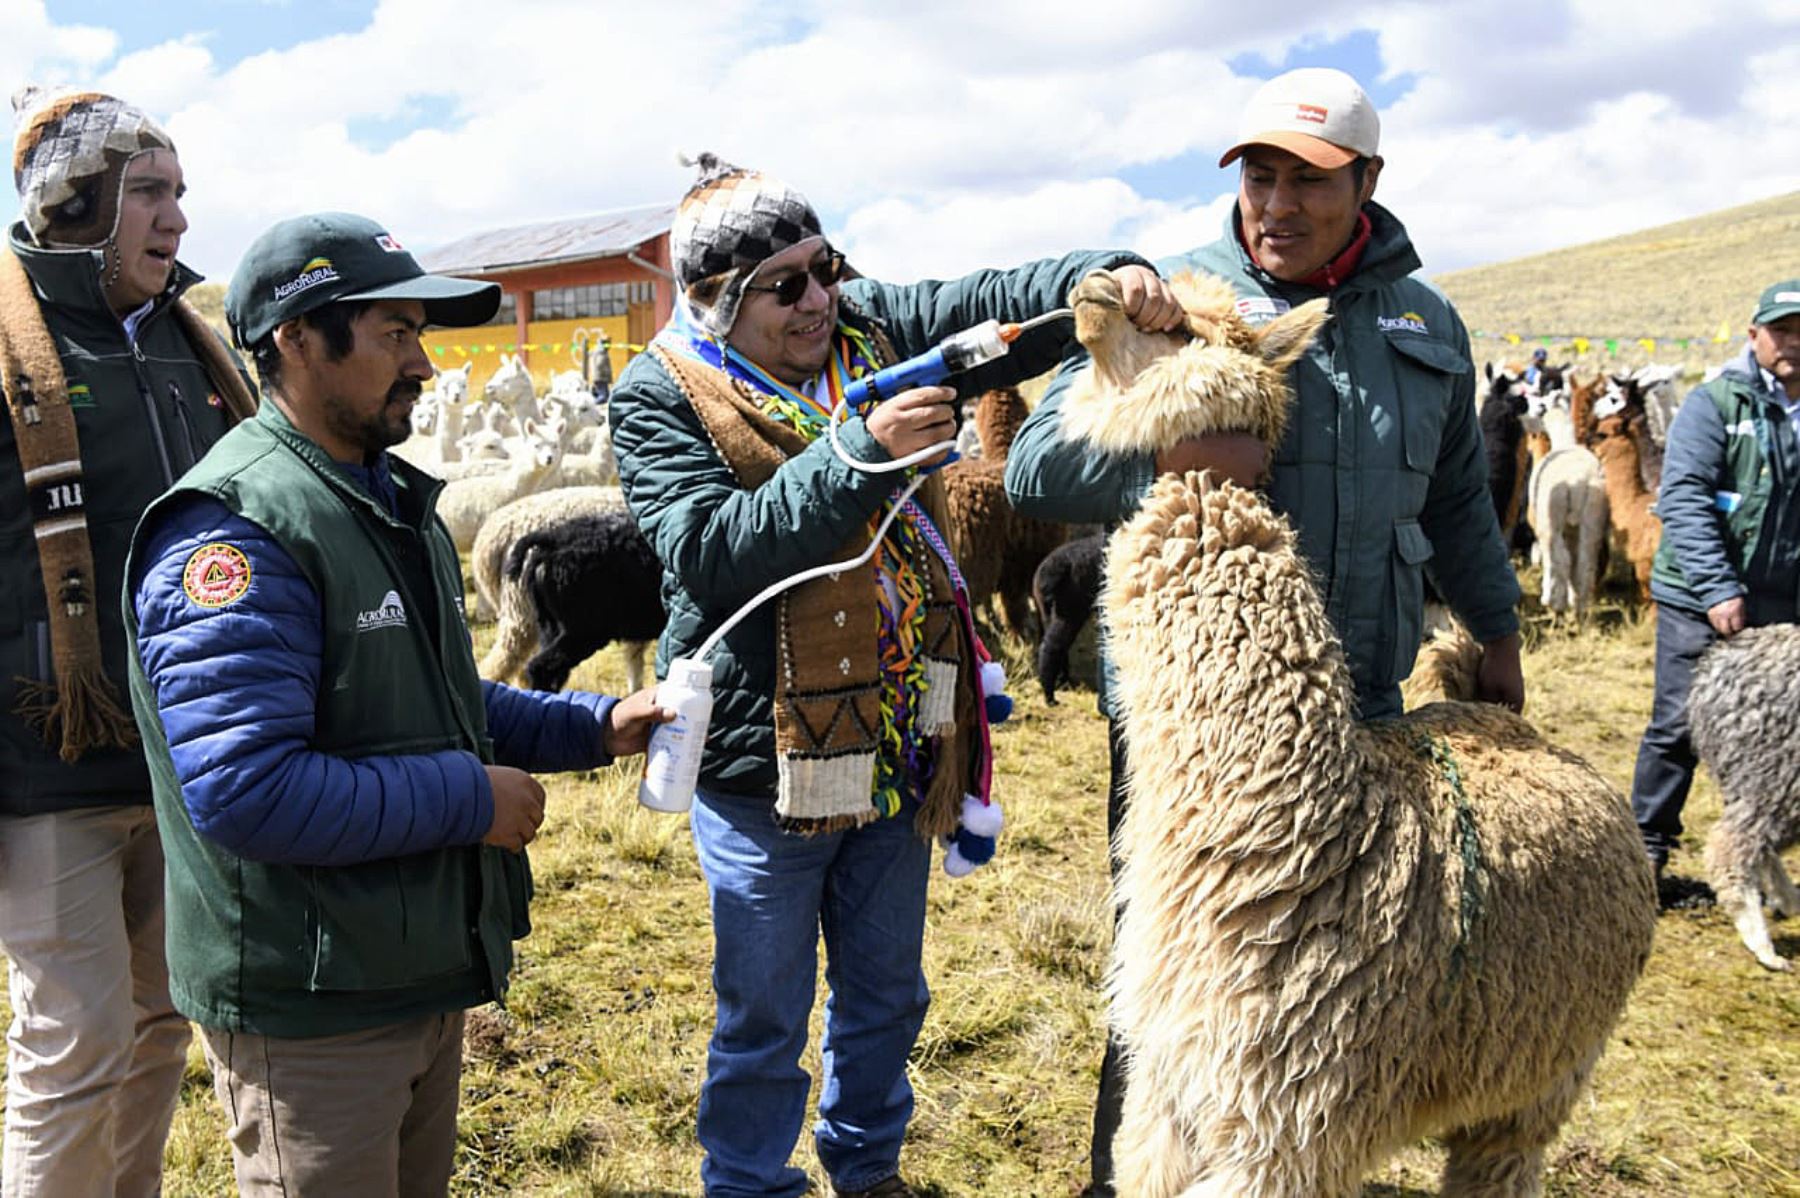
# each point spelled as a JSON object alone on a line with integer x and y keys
{"x": 287, "y": 950}
{"x": 1746, "y": 469}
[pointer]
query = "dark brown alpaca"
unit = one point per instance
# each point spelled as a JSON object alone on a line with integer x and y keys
{"x": 997, "y": 549}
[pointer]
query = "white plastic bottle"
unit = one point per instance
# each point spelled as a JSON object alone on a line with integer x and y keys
{"x": 672, "y": 764}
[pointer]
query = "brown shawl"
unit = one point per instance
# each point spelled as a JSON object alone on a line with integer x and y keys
{"x": 828, "y": 683}
{"x": 79, "y": 708}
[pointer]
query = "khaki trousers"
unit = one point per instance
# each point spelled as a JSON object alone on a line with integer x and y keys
{"x": 369, "y": 1114}
{"x": 95, "y": 1051}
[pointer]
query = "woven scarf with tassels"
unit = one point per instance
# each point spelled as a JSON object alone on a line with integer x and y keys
{"x": 78, "y": 709}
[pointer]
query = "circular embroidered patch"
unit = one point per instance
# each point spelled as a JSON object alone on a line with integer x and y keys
{"x": 216, "y": 575}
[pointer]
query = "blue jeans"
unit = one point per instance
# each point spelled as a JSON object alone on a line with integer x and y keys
{"x": 772, "y": 894}
{"x": 1666, "y": 760}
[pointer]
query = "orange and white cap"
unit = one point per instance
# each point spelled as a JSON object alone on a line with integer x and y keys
{"x": 1318, "y": 113}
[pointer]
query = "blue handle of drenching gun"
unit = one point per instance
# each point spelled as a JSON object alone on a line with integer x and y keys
{"x": 927, "y": 369}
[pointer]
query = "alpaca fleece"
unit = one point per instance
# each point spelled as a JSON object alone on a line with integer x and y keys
{"x": 1217, "y": 374}
{"x": 540, "y": 509}
{"x": 1336, "y": 938}
{"x": 585, "y": 582}
{"x": 1740, "y": 712}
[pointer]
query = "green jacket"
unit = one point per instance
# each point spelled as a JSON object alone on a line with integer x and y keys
{"x": 1729, "y": 500}
{"x": 720, "y": 544}
{"x": 1380, "y": 472}
{"x": 299, "y": 950}
{"x": 144, "y": 413}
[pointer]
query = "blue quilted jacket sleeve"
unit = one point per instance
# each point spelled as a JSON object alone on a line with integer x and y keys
{"x": 236, "y": 688}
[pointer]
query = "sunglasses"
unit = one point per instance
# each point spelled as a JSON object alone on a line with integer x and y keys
{"x": 791, "y": 289}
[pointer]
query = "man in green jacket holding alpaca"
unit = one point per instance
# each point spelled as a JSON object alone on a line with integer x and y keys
{"x": 1381, "y": 469}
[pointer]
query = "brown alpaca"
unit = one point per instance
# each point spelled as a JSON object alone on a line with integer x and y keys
{"x": 1636, "y": 528}
{"x": 997, "y": 549}
{"x": 1334, "y": 938}
{"x": 1584, "y": 392}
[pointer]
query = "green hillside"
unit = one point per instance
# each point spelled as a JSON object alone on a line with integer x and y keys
{"x": 1675, "y": 281}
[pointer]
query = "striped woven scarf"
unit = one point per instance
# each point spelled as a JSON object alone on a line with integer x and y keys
{"x": 909, "y": 717}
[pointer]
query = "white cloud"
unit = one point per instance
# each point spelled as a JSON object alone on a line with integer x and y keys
{"x": 946, "y": 136}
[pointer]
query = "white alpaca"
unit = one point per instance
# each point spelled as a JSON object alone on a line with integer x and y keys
{"x": 509, "y": 389}
{"x": 467, "y": 502}
{"x": 452, "y": 403}
{"x": 1568, "y": 510}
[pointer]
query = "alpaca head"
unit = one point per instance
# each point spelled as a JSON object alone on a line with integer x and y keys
{"x": 1218, "y": 374}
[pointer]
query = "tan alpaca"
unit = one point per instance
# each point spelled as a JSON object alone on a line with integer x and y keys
{"x": 1636, "y": 527}
{"x": 1335, "y": 938}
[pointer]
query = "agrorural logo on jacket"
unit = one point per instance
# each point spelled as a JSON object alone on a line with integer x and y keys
{"x": 391, "y": 614}
{"x": 1406, "y": 322}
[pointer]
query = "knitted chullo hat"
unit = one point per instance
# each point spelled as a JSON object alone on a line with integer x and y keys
{"x": 69, "y": 159}
{"x": 729, "y": 223}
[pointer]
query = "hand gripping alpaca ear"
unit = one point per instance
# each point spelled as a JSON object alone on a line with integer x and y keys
{"x": 1283, "y": 340}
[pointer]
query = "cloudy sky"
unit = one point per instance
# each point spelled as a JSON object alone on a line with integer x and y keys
{"x": 934, "y": 136}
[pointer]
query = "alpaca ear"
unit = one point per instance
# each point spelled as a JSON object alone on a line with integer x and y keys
{"x": 1281, "y": 342}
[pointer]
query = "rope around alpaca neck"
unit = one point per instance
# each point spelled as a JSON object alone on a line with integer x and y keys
{"x": 1473, "y": 900}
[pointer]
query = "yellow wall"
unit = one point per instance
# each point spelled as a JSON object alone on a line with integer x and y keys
{"x": 551, "y": 342}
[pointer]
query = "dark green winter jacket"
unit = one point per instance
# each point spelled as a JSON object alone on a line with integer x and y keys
{"x": 286, "y": 949}
{"x": 1730, "y": 500}
{"x": 1381, "y": 469}
{"x": 720, "y": 544}
{"x": 144, "y": 413}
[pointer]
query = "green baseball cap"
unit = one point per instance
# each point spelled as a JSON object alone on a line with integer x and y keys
{"x": 1782, "y": 299}
{"x": 324, "y": 258}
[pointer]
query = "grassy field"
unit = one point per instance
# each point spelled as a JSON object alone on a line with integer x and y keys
{"x": 1677, "y": 280}
{"x": 587, "y": 1083}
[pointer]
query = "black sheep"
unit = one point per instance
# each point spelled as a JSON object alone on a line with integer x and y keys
{"x": 587, "y": 581}
{"x": 1066, "y": 584}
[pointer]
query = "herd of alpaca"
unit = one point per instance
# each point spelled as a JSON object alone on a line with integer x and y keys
{"x": 1574, "y": 470}
{"x": 1334, "y": 938}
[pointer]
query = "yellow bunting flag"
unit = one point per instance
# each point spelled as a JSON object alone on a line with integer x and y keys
{"x": 1649, "y": 343}
{"x": 1581, "y": 345}
{"x": 1724, "y": 333}
{"x": 1512, "y": 338}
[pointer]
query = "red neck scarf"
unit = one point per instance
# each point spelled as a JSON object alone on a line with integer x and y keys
{"x": 1335, "y": 271}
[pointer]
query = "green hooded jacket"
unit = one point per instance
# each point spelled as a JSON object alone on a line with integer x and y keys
{"x": 1381, "y": 470}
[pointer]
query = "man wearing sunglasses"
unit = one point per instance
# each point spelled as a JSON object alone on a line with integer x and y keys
{"x": 847, "y": 723}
